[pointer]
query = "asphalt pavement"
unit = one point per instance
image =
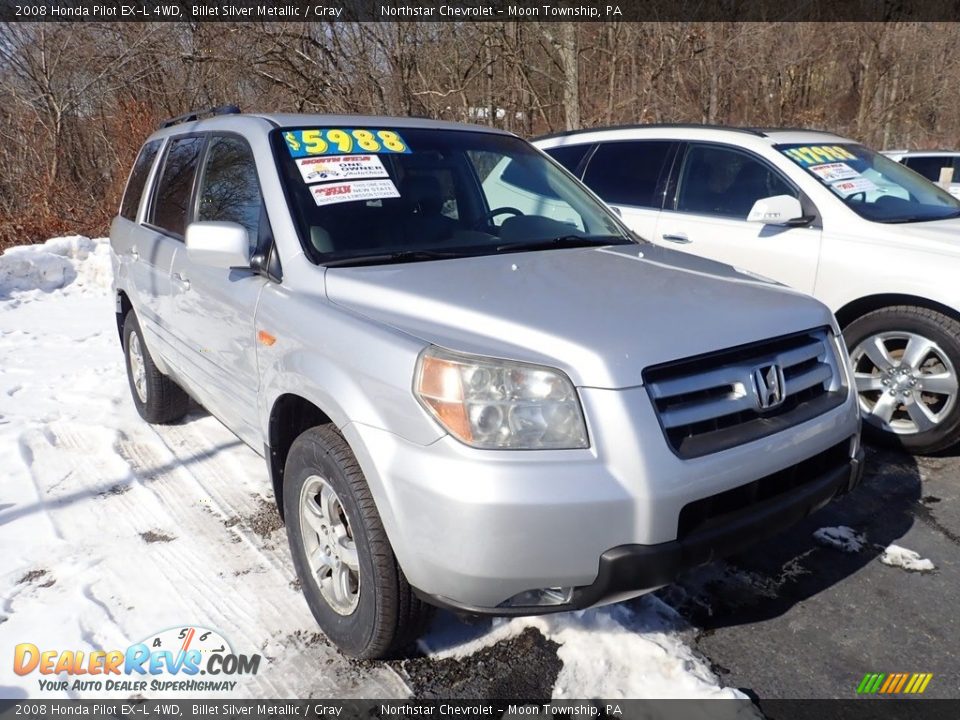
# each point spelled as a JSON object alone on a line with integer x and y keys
{"x": 792, "y": 618}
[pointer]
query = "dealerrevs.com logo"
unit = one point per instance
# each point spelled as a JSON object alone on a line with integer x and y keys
{"x": 169, "y": 661}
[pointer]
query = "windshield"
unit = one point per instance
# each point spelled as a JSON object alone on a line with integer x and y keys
{"x": 874, "y": 186}
{"x": 403, "y": 194}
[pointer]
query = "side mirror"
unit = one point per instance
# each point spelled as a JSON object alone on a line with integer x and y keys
{"x": 218, "y": 244}
{"x": 776, "y": 210}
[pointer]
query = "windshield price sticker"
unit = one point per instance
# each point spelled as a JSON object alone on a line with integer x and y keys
{"x": 343, "y": 141}
{"x": 341, "y": 192}
{"x": 854, "y": 186}
{"x": 340, "y": 167}
{"x": 831, "y": 172}
{"x": 816, "y": 154}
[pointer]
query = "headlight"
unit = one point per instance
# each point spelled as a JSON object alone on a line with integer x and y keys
{"x": 489, "y": 403}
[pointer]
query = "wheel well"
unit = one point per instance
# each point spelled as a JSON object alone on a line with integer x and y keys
{"x": 123, "y": 307}
{"x": 290, "y": 416}
{"x": 858, "y": 308}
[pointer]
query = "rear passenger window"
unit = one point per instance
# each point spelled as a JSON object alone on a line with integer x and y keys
{"x": 138, "y": 179}
{"x": 229, "y": 189}
{"x": 169, "y": 210}
{"x": 629, "y": 172}
{"x": 568, "y": 155}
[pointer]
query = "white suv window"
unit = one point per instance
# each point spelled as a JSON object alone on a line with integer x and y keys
{"x": 872, "y": 185}
{"x": 723, "y": 181}
{"x": 629, "y": 172}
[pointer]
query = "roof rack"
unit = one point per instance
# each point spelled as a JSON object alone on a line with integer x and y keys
{"x": 197, "y": 114}
{"x": 640, "y": 126}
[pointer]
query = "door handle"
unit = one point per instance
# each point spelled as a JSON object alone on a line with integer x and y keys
{"x": 182, "y": 280}
{"x": 134, "y": 253}
{"x": 678, "y": 238}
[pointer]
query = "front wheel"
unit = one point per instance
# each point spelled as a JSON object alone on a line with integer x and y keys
{"x": 905, "y": 362}
{"x": 350, "y": 577}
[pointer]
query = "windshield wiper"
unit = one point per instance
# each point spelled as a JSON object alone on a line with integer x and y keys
{"x": 401, "y": 256}
{"x": 565, "y": 241}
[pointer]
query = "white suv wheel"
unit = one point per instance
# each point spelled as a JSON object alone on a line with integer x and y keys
{"x": 905, "y": 381}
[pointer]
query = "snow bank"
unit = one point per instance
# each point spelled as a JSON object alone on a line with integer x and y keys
{"x": 76, "y": 261}
{"x": 611, "y": 652}
{"x": 841, "y": 537}
{"x": 897, "y": 556}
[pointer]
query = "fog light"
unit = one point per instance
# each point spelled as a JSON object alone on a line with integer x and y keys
{"x": 540, "y": 598}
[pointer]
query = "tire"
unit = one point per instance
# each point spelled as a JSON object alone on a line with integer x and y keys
{"x": 159, "y": 399}
{"x": 385, "y": 616}
{"x": 906, "y": 361}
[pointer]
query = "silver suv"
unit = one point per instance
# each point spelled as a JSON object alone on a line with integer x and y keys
{"x": 462, "y": 404}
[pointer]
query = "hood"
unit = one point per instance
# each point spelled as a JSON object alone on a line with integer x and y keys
{"x": 600, "y": 314}
{"x": 941, "y": 236}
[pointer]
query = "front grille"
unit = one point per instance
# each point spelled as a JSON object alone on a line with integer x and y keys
{"x": 702, "y": 515}
{"x": 711, "y": 402}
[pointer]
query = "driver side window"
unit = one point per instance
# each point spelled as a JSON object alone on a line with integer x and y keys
{"x": 726, "y": 182}
{"x": 229, "y": 189}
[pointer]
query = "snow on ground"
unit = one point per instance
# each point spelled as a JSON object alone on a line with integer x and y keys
{"x": 897, "y": 556}
{"x": 113, "y": 530}
{"x": 841, "y": 537}
{"x": 612, "y": 652}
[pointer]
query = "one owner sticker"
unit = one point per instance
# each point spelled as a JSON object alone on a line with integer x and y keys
{"x": 831, "y": 172}
{"x": 340, "y": 167}
{"x": 340, "y": 192}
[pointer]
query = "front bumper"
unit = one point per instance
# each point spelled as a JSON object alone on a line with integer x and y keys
{"x": 629, "y": 569}
{"x": 472, "y": 529}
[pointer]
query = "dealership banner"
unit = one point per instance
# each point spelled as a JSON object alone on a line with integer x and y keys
{"x": 218, "y": 709}
{"x": 474, "y": 10}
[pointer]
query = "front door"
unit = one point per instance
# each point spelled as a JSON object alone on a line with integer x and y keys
{"x": 717, "y": 185}
{"x": 215, "y": 307}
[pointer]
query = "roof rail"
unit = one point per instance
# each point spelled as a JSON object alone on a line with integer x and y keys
{"x": 640, "y": 126}
{"x": 768, "y": 130}
{"x": 197, "y": 114}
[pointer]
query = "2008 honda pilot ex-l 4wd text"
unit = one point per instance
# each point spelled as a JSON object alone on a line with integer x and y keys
{"x": 461, "y": 404}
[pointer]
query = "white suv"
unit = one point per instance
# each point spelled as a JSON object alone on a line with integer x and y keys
{"x": 873, "y": 240}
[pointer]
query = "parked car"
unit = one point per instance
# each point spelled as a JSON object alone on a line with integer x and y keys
{"x": 502, "y": 418}
{"x": 877, "y": 243}
{"x": 930, "y": 163}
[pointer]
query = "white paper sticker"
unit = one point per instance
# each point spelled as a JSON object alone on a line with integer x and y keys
{"x": 340, "y": 192}
{"x": 854, "y": 186}
{"x": 340, "y": 167}
{"x": 830, "y": 172}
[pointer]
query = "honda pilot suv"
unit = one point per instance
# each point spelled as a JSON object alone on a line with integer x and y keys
{"x": 462, "y": 404}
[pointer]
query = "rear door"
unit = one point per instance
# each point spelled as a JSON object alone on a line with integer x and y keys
{"x": 162, "y": 240}
{"x": 705, "y": 215}
{"x": 214, "y": 308}
{"x": 631, "y": 176}
{"x": 133, "y": 244}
